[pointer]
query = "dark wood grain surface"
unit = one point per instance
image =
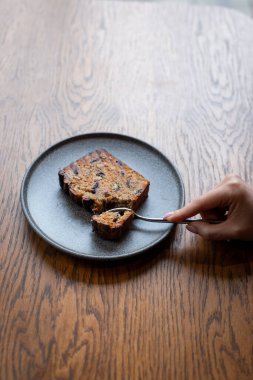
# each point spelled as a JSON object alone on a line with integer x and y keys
{"x": 181, "y": 79}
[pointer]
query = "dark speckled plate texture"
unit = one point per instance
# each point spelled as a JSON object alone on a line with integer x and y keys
{"x": 66, "y": 225}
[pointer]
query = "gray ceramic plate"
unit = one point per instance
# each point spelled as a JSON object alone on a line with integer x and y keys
{"x": 66, "y": 225}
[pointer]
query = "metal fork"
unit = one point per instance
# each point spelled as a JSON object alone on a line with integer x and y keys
{"x": 160, "y": 220}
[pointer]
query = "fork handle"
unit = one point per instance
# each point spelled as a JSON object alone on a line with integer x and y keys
{"x": 187, "y": 221}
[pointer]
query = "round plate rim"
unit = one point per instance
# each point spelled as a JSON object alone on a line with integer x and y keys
{"x": 56, "y": 245}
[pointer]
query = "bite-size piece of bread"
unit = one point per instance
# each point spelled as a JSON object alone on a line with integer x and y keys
{"x": 112, "y": 225}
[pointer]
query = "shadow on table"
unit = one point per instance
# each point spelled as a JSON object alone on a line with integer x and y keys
{"x": 104, "y": 272}
{"x": 223, "y": 259}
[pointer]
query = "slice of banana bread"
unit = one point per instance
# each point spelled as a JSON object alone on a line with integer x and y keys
{"x": 100, "y": 182}
{"x": 112, "y": 225}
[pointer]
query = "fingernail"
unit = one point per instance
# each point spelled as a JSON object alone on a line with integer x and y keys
{"x": 192, "y": 229}
{"x": 168, "y": 214}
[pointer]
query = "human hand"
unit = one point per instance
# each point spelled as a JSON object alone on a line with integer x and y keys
{"x": 231, "y": 200}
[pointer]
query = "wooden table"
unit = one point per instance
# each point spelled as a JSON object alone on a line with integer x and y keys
{"x": 181, "y": 79}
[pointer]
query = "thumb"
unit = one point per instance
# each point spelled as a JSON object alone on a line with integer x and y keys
{"x": 209, "y": 231}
